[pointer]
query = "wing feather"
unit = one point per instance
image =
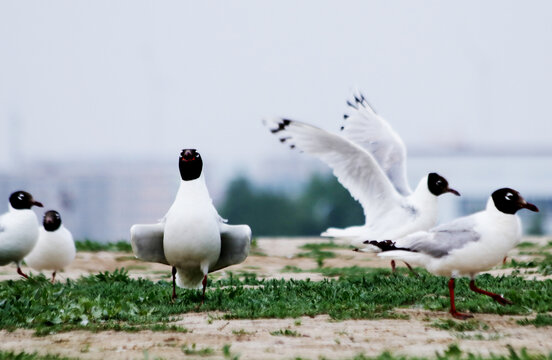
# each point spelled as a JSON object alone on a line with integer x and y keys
{"x": 355, "y": 168}
{"x": 372, "y": 132}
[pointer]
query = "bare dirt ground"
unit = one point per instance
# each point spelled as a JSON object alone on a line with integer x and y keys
{"x": 252, "y": 339}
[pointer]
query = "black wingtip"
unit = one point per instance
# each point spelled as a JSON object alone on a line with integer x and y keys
{"x": 352, "y": 105}
{"x": 345, "y": 116}
{"x": 281, "y": 126}
{"x": 385, "y": 245}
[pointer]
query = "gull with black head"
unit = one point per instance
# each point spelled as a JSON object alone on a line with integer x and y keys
{"x": 465, "y": 246}
{"x": 18, "y": 229}
{"x": 55, "y": 248}
{"x": 192, "y": 237}
{"x": 369, "y": 160}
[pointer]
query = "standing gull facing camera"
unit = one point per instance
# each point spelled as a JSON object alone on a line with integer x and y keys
{"x": 18, "y": 229}
{"x": 192, "y": 237}
{"x": 465, "y": 246}
{"x": 369, "y": 160}
{"x": 55, "y": 248}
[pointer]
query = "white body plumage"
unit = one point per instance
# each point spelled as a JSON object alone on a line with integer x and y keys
{"x": 18, "y": 234}
{"x": 191, "y": 239}
{"x": 54, "y": 250}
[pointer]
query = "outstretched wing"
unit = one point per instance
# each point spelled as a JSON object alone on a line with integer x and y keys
{"x": 235, "y": 242}
{"x": 369, "y": 130}
{"x": 355, "y": 168}
{"x": 147, "y": 242}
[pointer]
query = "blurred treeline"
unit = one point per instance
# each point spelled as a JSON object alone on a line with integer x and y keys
{"x": 321, "y": 203}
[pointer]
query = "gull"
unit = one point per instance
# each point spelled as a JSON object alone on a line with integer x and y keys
{"x": 192, "y": 237}
{"x": 465, "y": 246}
{"x": 18, "y": 229}
{"x": 369, "y": 160}
{"x": 55, "y": 248}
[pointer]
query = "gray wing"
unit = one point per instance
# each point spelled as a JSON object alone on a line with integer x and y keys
{"x": 147, "y": 242}
{"x": 235, "y": 242}
{"x": 443, "y": 239}
{"x": 372, "y": 132}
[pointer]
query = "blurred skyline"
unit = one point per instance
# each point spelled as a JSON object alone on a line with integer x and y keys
{"x": 135, "y": 80}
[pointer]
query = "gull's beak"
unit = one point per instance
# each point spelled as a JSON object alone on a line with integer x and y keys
{"x": 528, "y": 206}
{"x": 37, "y": 203}
{"x": 453, "y": 191}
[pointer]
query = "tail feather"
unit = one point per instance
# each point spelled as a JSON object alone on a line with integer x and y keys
{"x": 386, "y": 245}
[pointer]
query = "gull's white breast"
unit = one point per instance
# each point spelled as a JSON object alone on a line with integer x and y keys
{"x": 19, "y": 235}
{"x": 54, "y": 250}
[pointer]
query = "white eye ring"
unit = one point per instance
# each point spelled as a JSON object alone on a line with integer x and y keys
{"x": 509, "y": 196}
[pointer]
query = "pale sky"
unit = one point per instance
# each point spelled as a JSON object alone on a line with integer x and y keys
{"x": 144, "y": 79}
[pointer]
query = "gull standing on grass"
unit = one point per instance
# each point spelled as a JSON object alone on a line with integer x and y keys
{"x": 369, "y": 160}
{"x": 192, "y": 237}
{"x": 18, "y": 229}
{"x": 465, "y": 246}
{"x": 55, "y": 248}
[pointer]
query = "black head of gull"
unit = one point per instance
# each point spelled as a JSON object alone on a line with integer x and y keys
{"x": 438, "y": 185}
{"x": 20, "y": 200}
{"x": 51, "y": 221}
{"x": 509, "y": 201}
{"x": 190, "y": 164}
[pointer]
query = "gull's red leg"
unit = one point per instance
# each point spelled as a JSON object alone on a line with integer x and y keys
{"x": 499, "y": 299}
{"x": 173, "y": 283}
{"x": 21, "y": 272}
{"x": 53, "y": 277}
{"x": 411, "y": 270}
{"x": 393, "y": 266}
{"x": 204, "y": 282}
{"x": 455, "y": 314}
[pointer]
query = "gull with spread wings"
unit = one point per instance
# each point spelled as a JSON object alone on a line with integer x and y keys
{"x": 369, "y": 160}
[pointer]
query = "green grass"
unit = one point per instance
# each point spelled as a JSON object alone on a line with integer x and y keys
{"x": 193, "y": 350}
{"x": 460, "y": 326}
{"x": 540, "y": 320}
{"x": 285, "y": 332}
{"x": 526, "y": 244}
{"x": 318, "y": 253}
{"x": 542, "y": 263}
{"x": 113, "y": 301}
{"x": 94, "y": 246}
{"x": 10, "y": 355}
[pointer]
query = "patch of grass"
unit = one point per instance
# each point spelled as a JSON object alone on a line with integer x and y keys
{"x": 193, "y": 350}
{"x": 324, "y": 245}
{"x": 540, "y": 320}
{"x": 10, "y": 355}
{"x": 94, "y": 246}
{"x": 526, "y": 244}
{"x": 317, "y": 251}
{"x": 292, "y": 269}
{"x": 543, "y": 263}
{"x": 454, "y": 352}
{"x": 228, "y": 354}
{"x": 113, "y": 301}
{"x": 241, "y": 332}
{"x": 460, "y": 326}
{"x": 285, "y": 332}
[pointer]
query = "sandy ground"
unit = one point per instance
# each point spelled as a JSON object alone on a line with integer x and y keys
{"x": 252, "y": 339}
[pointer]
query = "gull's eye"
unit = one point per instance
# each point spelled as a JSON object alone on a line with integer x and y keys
{"x": 509, "y": 196}
{"x": 439, "y": 182}
{"x": 20, "y": 197}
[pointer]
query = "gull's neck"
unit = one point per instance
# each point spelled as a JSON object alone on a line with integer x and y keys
{"x": 422, "y": 194}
